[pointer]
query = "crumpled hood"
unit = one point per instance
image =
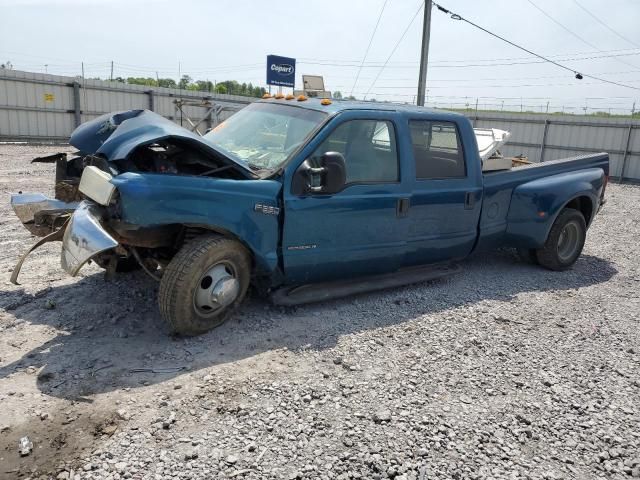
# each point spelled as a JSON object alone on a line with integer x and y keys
{"x": 115, "y": 135}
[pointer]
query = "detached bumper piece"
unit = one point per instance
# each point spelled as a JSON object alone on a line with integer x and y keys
{"x": 77, "y": 225}
{"x": 39, "y": 214}
{"x": 84, "y": 238}
{"x": 43, "y": 217}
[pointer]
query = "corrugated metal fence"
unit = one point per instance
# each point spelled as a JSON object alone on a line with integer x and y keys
{"x": 550, "y": 137}
{"x": 40, "y": 107}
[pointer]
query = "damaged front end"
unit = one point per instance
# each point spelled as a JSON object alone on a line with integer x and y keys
{"x": 78, "y": 224}
{"x": 84, "y": 238}
{"x": 84, "y": 213}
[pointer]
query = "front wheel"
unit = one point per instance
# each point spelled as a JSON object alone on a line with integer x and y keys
{"x": 565, "y": 241}
{"x": 203, "y": 284}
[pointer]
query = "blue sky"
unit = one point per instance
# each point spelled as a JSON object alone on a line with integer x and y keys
{"x": 229, "y": 40}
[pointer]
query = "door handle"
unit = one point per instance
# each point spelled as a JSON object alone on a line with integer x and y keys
{"x": 469, "y": 200}
{"x": 402, "y": 207}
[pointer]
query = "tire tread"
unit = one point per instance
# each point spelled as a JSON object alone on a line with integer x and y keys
{"x": 547, "y": 255}
{"x": 176, "y": 275}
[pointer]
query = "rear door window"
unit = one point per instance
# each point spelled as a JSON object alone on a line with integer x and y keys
{"x": 437, "y": 150}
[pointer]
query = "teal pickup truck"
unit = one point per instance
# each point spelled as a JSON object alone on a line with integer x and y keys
{"x": 303, "y": 199}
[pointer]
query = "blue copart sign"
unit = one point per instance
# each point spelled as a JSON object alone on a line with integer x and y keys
{"x": 281, "y": 71}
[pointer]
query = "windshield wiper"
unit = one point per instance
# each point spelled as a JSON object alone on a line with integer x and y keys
{"x": 256, "y": 168}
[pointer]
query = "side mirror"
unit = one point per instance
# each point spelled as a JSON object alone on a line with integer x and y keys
{"x": 328, "y": 177}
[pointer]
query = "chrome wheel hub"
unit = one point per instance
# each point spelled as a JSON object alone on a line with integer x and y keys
{"x": 568, "y": 241}
{"x": 218, "y": 288}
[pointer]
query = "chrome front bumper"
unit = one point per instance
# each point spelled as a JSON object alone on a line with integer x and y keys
{"x": 27, "y": 205}
{"x": 84, "y": 238}
{"x": 77, "y": 225}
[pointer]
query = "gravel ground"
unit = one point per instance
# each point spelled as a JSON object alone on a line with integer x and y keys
{"x": 503, "y": 371}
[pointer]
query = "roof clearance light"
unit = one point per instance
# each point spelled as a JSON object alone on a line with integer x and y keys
{"x": 279, "y": 96}
{"x": 290, "y": 97}
{"x": 325, "y": 101}
{"x": 266, "y": 95}
{"x": 301, "y": 98}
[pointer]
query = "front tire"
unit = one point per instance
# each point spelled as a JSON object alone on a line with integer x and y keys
{"x": 203, "y": 284}
{"x": 565, "y": 241}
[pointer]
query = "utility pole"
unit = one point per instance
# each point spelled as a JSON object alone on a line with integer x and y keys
{"x": 633, "y": 109}
{"x": 111, "y": 76}
{"x": 424, "y": 53}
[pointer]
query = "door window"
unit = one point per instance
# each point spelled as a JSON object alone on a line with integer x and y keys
{"x": 369, "y": 150}
{"x": 437, "y": 150}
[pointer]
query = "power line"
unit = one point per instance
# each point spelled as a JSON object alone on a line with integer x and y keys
{"x": 571, "y": 32}
{"x": 436, "y": 65}
{"x": 396, "y": 46}
{"x": 601, "y": 22}
{"x": 373, "y": 34}
{"x": 578, "y": 56}
{"x": 578, "y": 75}
{"x": 627, "y": 51}
{"x": 520, "y": 85}
{"x": 564, "y": 27}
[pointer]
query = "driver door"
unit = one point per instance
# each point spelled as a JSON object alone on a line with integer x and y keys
{"x": 362, "y": 229}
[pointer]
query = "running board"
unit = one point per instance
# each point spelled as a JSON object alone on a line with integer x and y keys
{"x": 318, "y": 292}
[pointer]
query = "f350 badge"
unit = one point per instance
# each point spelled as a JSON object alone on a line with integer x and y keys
{"x": 266, "y": 209}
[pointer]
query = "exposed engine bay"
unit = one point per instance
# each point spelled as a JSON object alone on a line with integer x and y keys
{"x": 169, "y": 156}
{"x": 177, "y": 156}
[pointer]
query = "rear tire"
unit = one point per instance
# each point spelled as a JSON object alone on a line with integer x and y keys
{"x": 203, "y": 284}
{"x": 565, "y": 241}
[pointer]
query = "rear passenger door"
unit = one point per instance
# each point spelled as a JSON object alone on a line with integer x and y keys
{"x": 446, "y": 194}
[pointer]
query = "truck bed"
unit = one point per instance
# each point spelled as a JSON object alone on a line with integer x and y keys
{"x": 509, "y": 178}
{"x": 506, "y": 218}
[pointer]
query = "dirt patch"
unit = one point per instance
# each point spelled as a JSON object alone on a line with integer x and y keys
{"x": 59, "y": 440}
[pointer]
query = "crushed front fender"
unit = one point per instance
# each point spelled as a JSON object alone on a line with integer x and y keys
{"x": 84, "y": 238}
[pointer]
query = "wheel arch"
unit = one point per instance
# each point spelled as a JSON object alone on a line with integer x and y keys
{"x": 584, "y": 204}
{"x": 536, "y": 205}
{"x": 191, "y": 231}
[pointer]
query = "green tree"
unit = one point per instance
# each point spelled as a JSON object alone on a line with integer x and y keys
{"x": 221, "y": 88}
{"x": 184, "y": 81}
{"x": 337, "y": 95}
{"x": 167, "y": 83}
{"x": 142, "y": 81}
{"x": 204, "y": 85}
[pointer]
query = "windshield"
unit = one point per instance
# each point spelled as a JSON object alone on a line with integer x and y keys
{"x": 265, "y": 134}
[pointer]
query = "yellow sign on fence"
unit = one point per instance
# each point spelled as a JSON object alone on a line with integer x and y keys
{"x": 49, "y": 97}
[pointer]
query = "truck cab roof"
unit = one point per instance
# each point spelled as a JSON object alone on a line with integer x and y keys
{"x": 337, "y": 106}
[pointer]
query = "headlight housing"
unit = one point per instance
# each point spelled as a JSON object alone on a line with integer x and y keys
{"x": 96, "y": 184}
